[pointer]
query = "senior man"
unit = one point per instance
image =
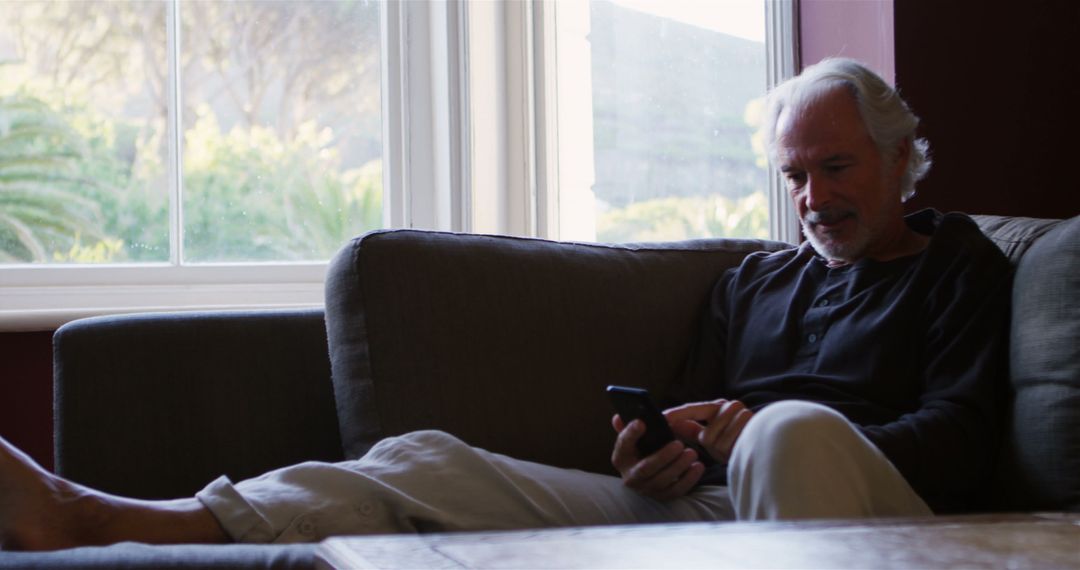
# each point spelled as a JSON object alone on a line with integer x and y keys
{"x": 860, "y": 374}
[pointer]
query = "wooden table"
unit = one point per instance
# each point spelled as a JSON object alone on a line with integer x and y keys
{"x": 988, "y": 541}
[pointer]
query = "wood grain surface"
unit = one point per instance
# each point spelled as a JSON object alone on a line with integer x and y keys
{"x": 989, "y": 541}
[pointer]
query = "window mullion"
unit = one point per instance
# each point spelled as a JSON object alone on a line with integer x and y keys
{"x": 395, "y": 120}
{"x": 520, "y": 124}
{"x": 545, "y": 107}
{"x": 176, "y": 135}
{"x": 782, "y": 62}
{"x": 460, "y": 121}
{"x": 425, "y": 119}
{"x": 502, "y": 129}
{"x": 565, "y": 162}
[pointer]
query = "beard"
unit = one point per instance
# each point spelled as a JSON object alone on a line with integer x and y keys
{"x": 849, "y": 248}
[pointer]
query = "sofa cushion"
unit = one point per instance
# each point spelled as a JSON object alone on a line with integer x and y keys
{"x": 1014, "y": 235}
{"x": 1041, "y": 456}
{"x": 508, "y": 342}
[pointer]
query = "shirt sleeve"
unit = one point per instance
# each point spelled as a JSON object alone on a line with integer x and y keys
{"x": 947, "y": 447}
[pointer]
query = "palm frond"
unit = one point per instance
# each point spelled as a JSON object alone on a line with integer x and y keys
{"x": 25, "y": 236}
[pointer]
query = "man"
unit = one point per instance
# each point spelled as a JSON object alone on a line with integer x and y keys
{"x": 896, "y": 324}
{"x": 857, "y": 375}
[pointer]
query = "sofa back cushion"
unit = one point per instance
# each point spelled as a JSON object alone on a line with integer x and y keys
{"x": 1041, "y": 456}
{"x": 508, "y": 342}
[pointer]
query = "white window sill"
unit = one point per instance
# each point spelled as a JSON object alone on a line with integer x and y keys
{"x": 41, "y": 299}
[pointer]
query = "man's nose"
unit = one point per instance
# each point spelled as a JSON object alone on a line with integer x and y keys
{"x": 817, "y": 195}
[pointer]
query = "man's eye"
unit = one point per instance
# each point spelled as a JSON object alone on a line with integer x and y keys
{"x": 795, "y": 179}
{"x": 836, "y": 168}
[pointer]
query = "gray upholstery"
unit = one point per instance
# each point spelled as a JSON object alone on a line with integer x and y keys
{"x": 157, "y": 405}
{"x": 1041, "y": 456}
{"x": 1014, "y": 235}
{"x": 132, "y": 556}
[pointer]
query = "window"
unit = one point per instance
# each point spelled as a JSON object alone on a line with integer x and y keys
{"x": 213, "y": 154}
{"x": 626, "y": 120}
{"x": 658, "y": 103}
{"x": 188, "y": 132}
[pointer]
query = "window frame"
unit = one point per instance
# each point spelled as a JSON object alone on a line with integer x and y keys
{"x": 47, "y": 296}
{"x": 469, "y": 145}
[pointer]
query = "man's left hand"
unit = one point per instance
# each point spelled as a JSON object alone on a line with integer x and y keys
{"x": 716, "y": 425}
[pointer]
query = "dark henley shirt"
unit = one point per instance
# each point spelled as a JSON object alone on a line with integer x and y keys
{"x": 913, "y": 350}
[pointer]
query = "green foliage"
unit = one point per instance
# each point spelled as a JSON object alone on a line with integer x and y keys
{"x": 103, "y": 251}
{"x": 325, "y": 215}
{"x": 77, "y": 187}
{"x": 125, "y": 178}
{"x": 686, "y": 218}
{"x": 40, "y": 208}
{"x": 250, "y": 196}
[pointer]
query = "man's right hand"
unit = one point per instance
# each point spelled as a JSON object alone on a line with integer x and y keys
{"x": 667, "y": 474}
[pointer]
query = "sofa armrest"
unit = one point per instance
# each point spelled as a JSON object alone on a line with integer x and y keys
{"x": 157, "y": 405}
{"x": 138, "y": 556}
{"x": 1040, "y": 461}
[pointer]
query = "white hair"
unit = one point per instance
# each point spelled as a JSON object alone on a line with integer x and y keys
{"x": 888, "y": 120}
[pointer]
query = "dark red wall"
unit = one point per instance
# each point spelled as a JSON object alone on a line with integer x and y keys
{"x": 996, "y": 86}
{"x": 26, "y": 393}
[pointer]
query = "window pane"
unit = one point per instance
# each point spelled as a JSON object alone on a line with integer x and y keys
{"x": 82, "y": 132}
{"x": 657, "y": 105}
{"x": 282, "y": 128}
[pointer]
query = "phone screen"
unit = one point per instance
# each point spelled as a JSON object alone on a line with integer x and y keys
{"x": 634, "y": 403}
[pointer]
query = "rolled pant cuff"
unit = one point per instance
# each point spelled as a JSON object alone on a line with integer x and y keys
{"x": 240, "y": 520}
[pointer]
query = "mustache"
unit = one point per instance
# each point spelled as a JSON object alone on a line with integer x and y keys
{"x": 827, "y": 216}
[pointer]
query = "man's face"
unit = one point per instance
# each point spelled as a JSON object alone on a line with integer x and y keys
{"x": 847, "y": 199}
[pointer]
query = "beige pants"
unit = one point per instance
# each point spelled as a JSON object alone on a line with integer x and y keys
{"x": 795, "y": 460}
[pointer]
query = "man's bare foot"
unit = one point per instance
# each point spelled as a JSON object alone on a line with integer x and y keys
{"x": 41, "y": 511}
{"x": 33, "y": 504}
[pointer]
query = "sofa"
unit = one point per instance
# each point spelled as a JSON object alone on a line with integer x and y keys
{"x": 506, "y": 342}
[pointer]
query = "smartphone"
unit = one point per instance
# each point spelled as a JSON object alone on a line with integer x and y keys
{"x": 635, "y": 404}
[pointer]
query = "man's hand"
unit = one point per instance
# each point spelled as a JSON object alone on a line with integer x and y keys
{"x": 716, "y": 425}
{"x": 667, "y": 474}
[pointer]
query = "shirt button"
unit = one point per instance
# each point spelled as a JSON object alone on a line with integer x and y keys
{"x": 812, "y": 338}
{"x": 365, "y": 509}
{"x": 307, "y": 528}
